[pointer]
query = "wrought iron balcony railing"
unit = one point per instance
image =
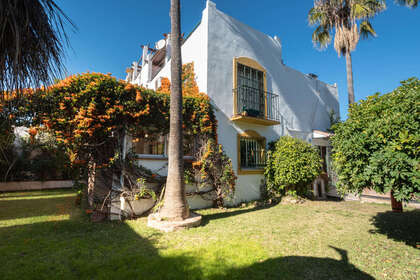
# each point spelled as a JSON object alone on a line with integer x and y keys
{"x": 256, "y": 103}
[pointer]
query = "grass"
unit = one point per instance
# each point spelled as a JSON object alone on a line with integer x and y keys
{"x": 44, "y": 236}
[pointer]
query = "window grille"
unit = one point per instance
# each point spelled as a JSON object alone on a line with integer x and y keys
{"x": 252, "y": 153}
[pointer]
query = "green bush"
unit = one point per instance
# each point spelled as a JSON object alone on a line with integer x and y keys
{"x": 292, "y": 164}
{"x": 38, "y": 159}
{"x": 7, "y": 154}
{"x": 378, "y": 146}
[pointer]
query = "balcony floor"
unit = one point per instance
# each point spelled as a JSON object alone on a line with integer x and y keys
{"x": 253, "y": 120}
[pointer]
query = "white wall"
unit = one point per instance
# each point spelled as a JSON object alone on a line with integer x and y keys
{"x": 305, "y": 103}
{"x": 194, "y": 50}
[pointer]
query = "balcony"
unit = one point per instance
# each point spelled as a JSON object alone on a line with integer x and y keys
{"x": 256, "y": 106}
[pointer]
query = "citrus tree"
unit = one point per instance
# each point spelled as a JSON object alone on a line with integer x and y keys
{"x": 292, "y": 164}
{"x": 378, "y": 146}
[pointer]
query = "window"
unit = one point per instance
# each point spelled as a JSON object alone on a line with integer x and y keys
{"x": 249, "y": 89}
{"x": 156, "y": 146}
{"x": 151, "y": 145}
{"x": 251, "y": 153}
{"x": 250, "y": 77}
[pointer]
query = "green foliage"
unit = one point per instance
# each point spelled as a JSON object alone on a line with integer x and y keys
{"x": 7, "y": 153}
{"x": 378, "y": 146}
{"x": 88, "y": 113}
{"x": 216, "y": 172}
{"x": 38, "y": 159}
{"x": 292, "y": 164}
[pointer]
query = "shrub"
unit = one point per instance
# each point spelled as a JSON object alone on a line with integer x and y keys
{"x": 378, "y": 146}
{"x": 292, "y": 164}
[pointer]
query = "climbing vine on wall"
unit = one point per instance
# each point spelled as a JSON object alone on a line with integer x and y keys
{"x": 90, "y": 113}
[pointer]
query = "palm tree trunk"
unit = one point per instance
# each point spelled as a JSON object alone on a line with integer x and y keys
{"x": 175, "y": 205}
{"x": 350, "y": 86}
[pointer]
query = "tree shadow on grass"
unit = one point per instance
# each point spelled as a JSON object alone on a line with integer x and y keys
{"x": 78, "y": 249}
{"x": 399, "y": 226}
{"x": 74, "y": 248}
{"x": 299, "y": 267}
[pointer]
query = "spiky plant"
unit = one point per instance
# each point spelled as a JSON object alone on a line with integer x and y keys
{"x": 32, "y": 42}
{"x": 347, "y": 21}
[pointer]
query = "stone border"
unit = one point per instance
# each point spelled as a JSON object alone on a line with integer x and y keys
{"x": 156, "y": 222}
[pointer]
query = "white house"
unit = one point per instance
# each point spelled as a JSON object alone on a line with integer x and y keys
{"x": 256, "y": 97}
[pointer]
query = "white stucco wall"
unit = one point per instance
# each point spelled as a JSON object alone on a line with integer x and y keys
{"x": 194, "y": 50}
{"x": 305, "y": 102}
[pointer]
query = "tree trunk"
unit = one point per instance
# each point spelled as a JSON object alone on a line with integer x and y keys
{"x": 350, "y": 86}
{"x": 396, "y": 205}
{"x": 91, "y": 182}
{"x": 175, "y": 205}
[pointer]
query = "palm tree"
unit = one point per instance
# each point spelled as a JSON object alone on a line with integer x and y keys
{"x": 408, "y": 3}
{"x": 347, "y": 21}
{"x": 32, "y": 41}
{"x": 175, "y": 205}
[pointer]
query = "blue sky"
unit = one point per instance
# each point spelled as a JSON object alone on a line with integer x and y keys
{"x": 110, "y": 33}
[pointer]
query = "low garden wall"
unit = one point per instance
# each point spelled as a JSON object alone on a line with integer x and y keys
{"x": 35, "y": 185}
{"x": 372, "y": 196}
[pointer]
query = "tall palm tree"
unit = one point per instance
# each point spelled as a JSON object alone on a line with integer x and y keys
{"x": 408, "y": 3}
{"x": 32, "y": 41}
{"x": 347, "y": 21}
{"x": 175, "y": 205}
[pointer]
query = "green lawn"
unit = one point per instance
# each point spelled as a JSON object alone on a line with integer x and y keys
{"x": 44, "y": 236}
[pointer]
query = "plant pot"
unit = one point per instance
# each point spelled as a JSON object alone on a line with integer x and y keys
{"x": 138, "y": 207}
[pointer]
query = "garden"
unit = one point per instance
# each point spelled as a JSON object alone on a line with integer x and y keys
{"x": 44, "y": 235}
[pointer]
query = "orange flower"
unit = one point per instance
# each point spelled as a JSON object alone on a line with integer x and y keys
{"x": 138, "y": 96}
{"x": 32, "y": 131}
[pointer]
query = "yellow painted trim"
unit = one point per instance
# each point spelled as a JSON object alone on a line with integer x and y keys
{"x": 250, "y": 172}
{"x": 251, "y": 134}
{"x": 250, "y": 63}
{"x": 152, "y": 158}
{"x": 254, "y": 135}
{"x": 253, "y": 64}
{"x": 253, "y": 120}
{"x": 234, "y": 86}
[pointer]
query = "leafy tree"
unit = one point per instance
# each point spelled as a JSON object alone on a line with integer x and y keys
{"x": 347, "y": 21}
{"x": 175, "y": 205}
{"x": 378, "y": 146}
{"x": 90, "y": 113}
{"x": 292, "y": 164}
{"x": 32, "y": 40}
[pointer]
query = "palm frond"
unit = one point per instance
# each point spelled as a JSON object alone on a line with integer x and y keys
{"x": 341, "y": 19}
{"x": 366, "y": 29}
{"x": 408, "y": 3}
{"x": 321, "y": 37}
{"x": 32, "y": 43}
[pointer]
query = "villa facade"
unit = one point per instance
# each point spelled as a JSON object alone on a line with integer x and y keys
{"x": 256, "y": 97}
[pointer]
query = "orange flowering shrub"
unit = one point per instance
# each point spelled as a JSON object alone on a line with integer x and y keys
{"x": 89, "y": 112}
{"x": 189, "y": 83}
